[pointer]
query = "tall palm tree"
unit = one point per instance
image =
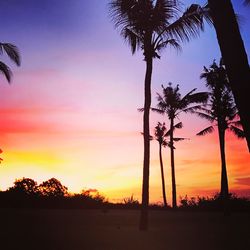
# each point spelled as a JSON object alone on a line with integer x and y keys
{"x": 173, "y": 104}
{"x": 151, "y": 26}
{"x": 13, "y": 53}
{"x": 234, "y": 56}
{"x": 222, "y": 113}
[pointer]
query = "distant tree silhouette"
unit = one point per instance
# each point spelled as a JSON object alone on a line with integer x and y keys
{"x": 12, "y": 52}
{"x": 24, "y": 186}
{"x": 234, "y": 56}
{"x": 151, "y": 26}
{"x": 173, "y": 104}
{"x": 52, "y": 187}
{"x": 221, "y": 112}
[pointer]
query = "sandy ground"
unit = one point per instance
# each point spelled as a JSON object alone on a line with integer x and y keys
{"x": 118, "y": 230}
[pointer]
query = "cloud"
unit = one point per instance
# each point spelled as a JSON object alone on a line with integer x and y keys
{"x": 243, "y": 181}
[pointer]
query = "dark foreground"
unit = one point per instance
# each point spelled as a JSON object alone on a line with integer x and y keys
{"x": 118, "y": 229}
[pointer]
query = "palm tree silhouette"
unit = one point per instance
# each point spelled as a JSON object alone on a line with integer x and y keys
{"x": 222, "y": 113}
{"x": 13, "y": 53}
{"x": 151, "y": 26}
{"x": 159, "y": 134}
{"x": 234, "y": 56}
{"x": 173, "y": 104}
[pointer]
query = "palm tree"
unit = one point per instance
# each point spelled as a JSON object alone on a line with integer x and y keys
{"x": 173, "y": 104}
{"x": 160, "y": 132}
{"x": 151, "y": 26}
{"x": 234, "y": 56}
{"x": 222, "y": 113}
{"x": 13, "y": 53}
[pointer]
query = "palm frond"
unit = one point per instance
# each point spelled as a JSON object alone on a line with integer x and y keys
{"x": 188, "y": 25}
{"x": 178, "y": 125}
{"x": 164, "y": 11}
{"x": 4, "y": 69}
{"x": 196, "y": 108}
{"x": 132, "y": 38}
{"x": 205, "y": 131}
{"x": 237, "y": 131}
{"x": 199, "y": 97}
{"x": 159, "y": 111}
{"x": 12, "y": 52}
{"x": 179, "y": 139}
{"x": 189, "y": 93}
{"x": 166, "y": 144}
{"x": 205, "y": 116}
{"x": 235, "y": 123}
{"x": 170, "y": 42}
{"x": 120, "y": 12}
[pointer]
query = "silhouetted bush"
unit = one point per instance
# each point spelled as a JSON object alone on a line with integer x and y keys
{"x": 215, "y": 203}
{"x": 50, "y": 194}
{"x": 52, "y": 187}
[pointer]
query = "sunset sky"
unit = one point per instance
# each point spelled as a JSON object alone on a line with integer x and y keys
{"x": 71, "y": 109}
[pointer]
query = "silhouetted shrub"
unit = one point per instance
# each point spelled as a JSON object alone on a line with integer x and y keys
{"x": 52, "y": 187}
{"x": 24, "y": 186}
{"x": 214, "y": 203}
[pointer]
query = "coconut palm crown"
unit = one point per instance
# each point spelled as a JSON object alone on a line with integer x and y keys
{"x": 12, "y": 52}
{"x": 221, "y": 112}
{"x": 151, "y": 25}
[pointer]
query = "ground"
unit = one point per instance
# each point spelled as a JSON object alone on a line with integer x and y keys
{"x": 118, "y": 230}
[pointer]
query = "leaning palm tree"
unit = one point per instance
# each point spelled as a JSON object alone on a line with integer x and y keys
{"x": 235, "y": 57}
{"x": 173, "y": 104}
{"x": 13, "y": 53}
{"x": 151, "y": 26}
{"x": 222, "y": 113}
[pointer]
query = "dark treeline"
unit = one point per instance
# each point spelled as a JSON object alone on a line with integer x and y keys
{"x": 51, "y": 194}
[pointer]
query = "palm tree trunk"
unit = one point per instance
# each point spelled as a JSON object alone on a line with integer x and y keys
{"x": 234, "y": 56}
{"x": 174, "y": 203}
{"x": 224, "y": 195}
{"x": 162, "y": 177}
{"x": 224, "y": 181}
{"x": 146, "y": 136}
